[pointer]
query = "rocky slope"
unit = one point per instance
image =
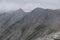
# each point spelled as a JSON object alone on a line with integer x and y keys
{"x": 20, "y": 25}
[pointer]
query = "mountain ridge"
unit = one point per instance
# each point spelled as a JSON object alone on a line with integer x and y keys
{"x": 29, "y": 25}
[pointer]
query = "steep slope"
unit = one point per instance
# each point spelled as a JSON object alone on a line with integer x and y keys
{"x": 37, "y": 23}
{"x": 9, "y": 18}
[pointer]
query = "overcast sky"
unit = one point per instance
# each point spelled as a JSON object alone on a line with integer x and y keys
{"x": 28, "y": 5}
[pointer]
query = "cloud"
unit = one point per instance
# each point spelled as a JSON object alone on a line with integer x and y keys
{"x": 8, "y": 6}
{"x": 28, "y": 5}
{"x": 15, "y": 6}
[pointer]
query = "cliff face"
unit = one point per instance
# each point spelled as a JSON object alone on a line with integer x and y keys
{"x": 22, "y": 25}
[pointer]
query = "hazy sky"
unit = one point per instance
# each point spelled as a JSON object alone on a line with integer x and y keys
{"x": 28, "y": 5}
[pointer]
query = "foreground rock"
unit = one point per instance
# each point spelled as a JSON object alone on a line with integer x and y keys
{"x": 52, "y": 36}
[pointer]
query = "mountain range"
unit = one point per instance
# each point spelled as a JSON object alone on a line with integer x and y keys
{"x": 20, "y": 25}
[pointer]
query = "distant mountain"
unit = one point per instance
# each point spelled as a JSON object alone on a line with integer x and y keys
{"x": 20, "y": 25}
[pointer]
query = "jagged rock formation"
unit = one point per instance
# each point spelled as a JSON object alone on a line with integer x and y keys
{"x": 20, "y": 25}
